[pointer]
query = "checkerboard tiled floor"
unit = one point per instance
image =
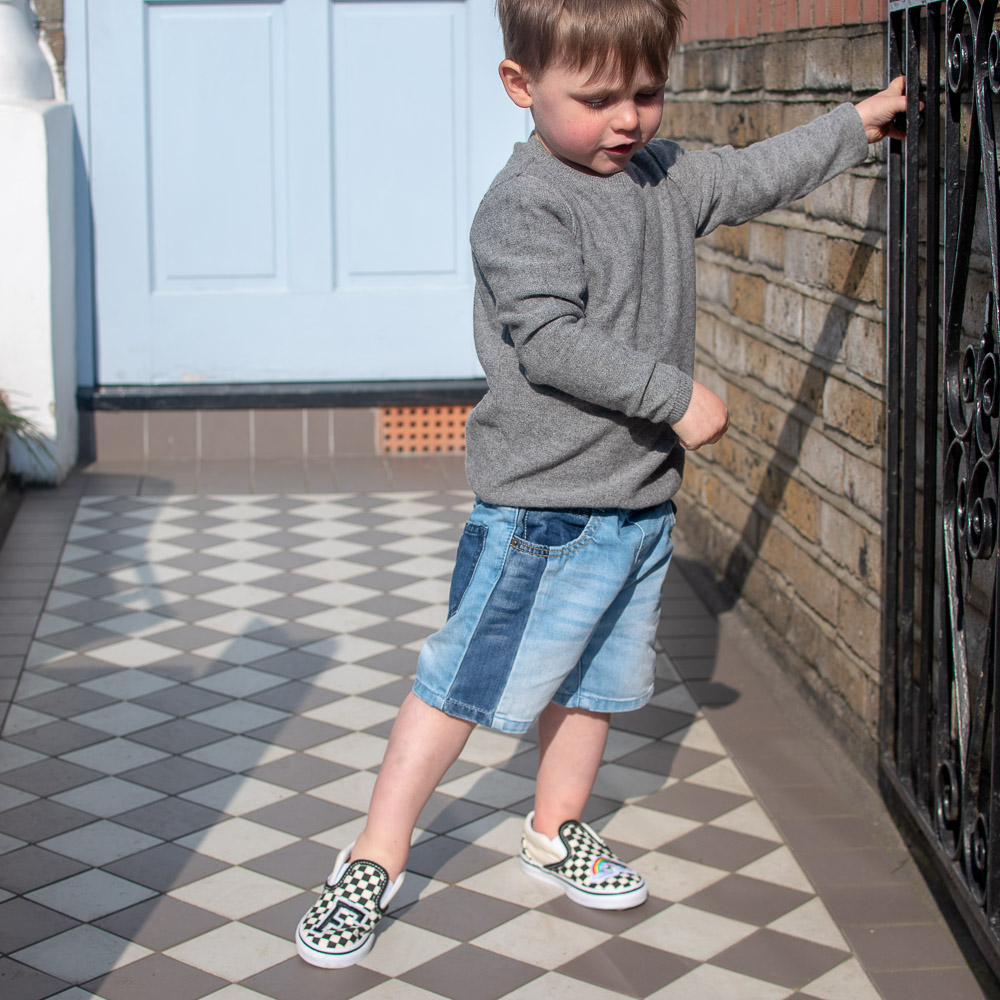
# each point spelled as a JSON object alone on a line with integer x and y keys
{"x": 203, "y": 707}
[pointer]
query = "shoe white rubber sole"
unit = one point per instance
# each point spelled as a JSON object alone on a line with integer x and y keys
{"x": 594, "y": 900}
{"x": 322, "y": 960}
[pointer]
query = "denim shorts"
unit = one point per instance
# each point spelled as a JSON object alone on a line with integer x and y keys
{"x": 549, "y": 605}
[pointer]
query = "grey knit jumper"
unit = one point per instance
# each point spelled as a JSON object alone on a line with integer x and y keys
{"x": 585, "y": 308}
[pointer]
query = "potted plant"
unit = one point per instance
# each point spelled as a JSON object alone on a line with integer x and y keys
{"x": 15, "y": 427}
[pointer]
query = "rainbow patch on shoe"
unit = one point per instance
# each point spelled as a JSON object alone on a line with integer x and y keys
{"x": 604, "y": 868}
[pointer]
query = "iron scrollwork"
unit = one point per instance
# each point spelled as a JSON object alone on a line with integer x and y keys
{"x": 969, "y": 494}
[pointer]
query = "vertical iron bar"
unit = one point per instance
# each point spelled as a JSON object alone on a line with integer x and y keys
{"x": 908, "y": 415}
{"x": 929, "y": 644}
{"x": 890, "y": 645}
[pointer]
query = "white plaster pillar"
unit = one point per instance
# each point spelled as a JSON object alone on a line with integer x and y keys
{"x": 37, "y": 290}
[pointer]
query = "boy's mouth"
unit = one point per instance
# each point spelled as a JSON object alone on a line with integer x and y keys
{"x": 623, "y": 150}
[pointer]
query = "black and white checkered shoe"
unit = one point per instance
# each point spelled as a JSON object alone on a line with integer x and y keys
{"x": 583, "y": 866}
{"x": 339, "y": 929}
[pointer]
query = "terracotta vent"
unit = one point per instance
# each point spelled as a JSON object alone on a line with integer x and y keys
{"x": 413, "y": 430}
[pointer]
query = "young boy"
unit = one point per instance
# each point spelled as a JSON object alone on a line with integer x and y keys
{"x": 584, "y": 324}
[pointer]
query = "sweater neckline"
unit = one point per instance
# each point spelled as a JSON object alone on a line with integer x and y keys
{"x": 539, "y": 154}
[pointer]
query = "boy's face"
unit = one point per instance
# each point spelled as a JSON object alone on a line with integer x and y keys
{"x": 594, "y": 124}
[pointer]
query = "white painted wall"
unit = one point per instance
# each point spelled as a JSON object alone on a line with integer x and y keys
{"x": 37, "y": 280}
{"x": 37, "y": 320}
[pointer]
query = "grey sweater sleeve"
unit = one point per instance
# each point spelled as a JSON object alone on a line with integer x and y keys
{"x": 526, "y": 247}
{"x": 729, "y": 186}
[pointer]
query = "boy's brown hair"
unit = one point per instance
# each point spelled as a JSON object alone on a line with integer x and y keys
{"x": 617, "y": 37}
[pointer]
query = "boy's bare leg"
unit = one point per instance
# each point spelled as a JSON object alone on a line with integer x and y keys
{"x": 570, "y": 744}
{"x": 423, "y": 744}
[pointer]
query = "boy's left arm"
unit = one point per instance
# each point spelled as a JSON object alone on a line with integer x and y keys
{"x": 878, "y": 112}
{"x": 730, "y": 186}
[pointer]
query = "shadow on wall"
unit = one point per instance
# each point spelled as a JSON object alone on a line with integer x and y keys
{"x": 768, "y": 503}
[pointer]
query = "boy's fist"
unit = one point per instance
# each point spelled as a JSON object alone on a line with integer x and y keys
{"x": 878, "y": 111}
{"x": 705, "y": 420}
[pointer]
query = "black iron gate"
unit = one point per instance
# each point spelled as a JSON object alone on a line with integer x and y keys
{"x": 940, "y": 742}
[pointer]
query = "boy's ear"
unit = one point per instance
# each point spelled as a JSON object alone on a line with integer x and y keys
{"x": 515, "y": 83}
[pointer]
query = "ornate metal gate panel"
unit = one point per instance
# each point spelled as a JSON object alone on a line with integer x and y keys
{"x": 940, "y": 742}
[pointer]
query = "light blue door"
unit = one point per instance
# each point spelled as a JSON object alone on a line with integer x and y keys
{"x": 282, "y": 191}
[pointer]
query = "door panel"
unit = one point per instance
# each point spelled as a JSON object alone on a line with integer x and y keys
{"x": 282, "y": 189}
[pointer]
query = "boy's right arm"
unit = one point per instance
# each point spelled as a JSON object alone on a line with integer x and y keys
{"x": 528, "y": 255}
{"x": 705, "y": 420}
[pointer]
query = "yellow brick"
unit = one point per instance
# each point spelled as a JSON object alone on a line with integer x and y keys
{"x": 746, "y": 293}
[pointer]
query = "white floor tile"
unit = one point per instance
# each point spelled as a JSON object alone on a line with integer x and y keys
{"x": 541, "y": 939}
{"x": 238, "y": 794}
{"x": 554, "y": 986}
{"x": 353, "y": 713}
{"x": 489, "y": 787}
{"x": 127, "y": 684}
{"x": 353, "y": 790}
{"x": 813, "y": 922}
{"x": 401, "y": 947}
{"x": 507, "y": 881}
{"x": 724, "y": 776}
{"x": 646, "y": 828}
{"x": 235, "y": 893}
{"x": 100, "y": 843}
{"x": 779, "y": 867}
{"x": 90, "y": 895}
{"x": 233, "y": 952}
{"x": 115, "y": 756}
{"x": 750, "y": 819}
{"x": 710, "y": 983}
{"x": 357, "y": 750}
{"x": 237, "y": 840}
{"x": 675, "y": 879}
{"x": 349, "y": 678}
{"x": 108, "y": 797}
{"x": 687, "y": 931}
{"x": 846, "y": 982}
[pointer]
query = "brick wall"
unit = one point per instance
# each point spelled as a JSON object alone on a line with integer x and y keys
{"x": 707, "y": 19}
{"x": 790, "y": 333}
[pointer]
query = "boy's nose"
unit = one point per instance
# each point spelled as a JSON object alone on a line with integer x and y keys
{"x": 627, "y": 118}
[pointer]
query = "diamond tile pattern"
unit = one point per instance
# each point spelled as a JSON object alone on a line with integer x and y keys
{"x": 199, "y": 724}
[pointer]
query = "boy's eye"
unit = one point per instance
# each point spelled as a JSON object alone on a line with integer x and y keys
{"x": 598, "y": 103}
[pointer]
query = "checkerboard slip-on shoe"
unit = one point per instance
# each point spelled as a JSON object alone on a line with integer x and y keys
{"x": 339, "y": 929}
{"x": 582, "y": 865}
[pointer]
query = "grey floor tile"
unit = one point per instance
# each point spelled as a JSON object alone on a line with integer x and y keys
{"x": 779, "y": 958}
{"x": 450, "y": 860}
{"x": 21, "y": 982}
{"x": 303, "y": 815}
{"x": 23, "y": 923}
{"x": 31, "y": 867}
{"x": 303, "y": 864}
{"x": 458, "y": 913}
{"x": 294, "y": 980}
{"x": 931, "y": 984}
{"x": 627, "y": 968}
{"x": 470, "y": 973}
{"x": 282, "y": 918}
{"x": 174, "y": 775}
{"x": 693, "y": 801}
{"x": 180, "y": 736}
{"x": 889, "y": 947}
{"x": 161, "y": 922}
{"x": 297, "y": 733}
{"x": 42, "y": 818}
{"x": 57, "y": 738}
{"x": 49, "y": 777}
{"x": 166, "y": 867}
{"x": 299, "y": 771}
{"x": 719, "y": 848}
{"x": 170, "y": 818}
{"x": 748, "y": 899}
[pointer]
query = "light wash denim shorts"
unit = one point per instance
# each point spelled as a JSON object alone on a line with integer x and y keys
{"x": 549, "y": 605}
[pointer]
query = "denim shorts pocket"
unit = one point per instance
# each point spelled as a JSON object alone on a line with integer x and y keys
{"x": 470, "y": 548}
{"x": 544, "y": 532}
